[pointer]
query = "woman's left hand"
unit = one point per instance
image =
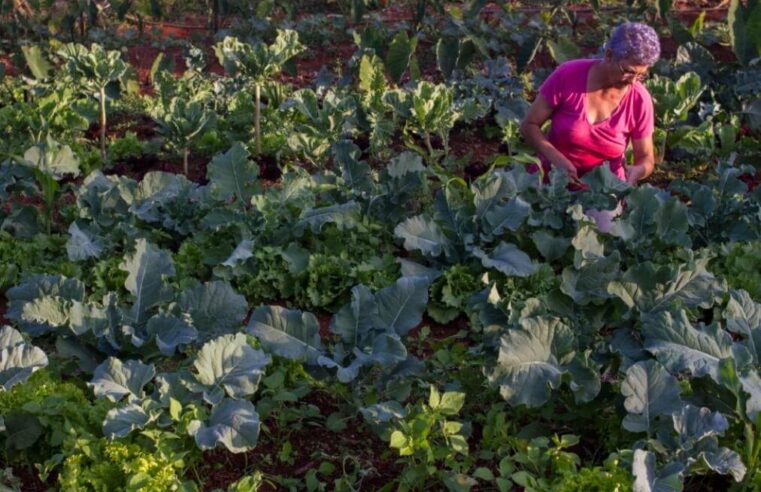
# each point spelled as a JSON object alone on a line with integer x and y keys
{"x": 634, "y": 174}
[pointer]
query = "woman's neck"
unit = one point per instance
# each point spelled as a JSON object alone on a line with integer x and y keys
{"x": 601, "y": 78}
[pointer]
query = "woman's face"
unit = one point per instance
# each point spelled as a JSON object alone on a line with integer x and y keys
{"x": 629, "y": 71}
{"x": 625, "y": 71}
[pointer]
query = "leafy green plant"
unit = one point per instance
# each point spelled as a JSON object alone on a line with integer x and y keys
{"x": 321, "y": 122}
{"x": 673, "y": 101}
{"x": 42, "y": 254}
{"x": 428, "y": 110}
{"x": 256, "y": 63}
{"x": 51, "y": 162}
{"x": 182, "y": 121}
{"x": 428, "y": 439}
{"x": 126, "y": 147}
{"x": 94, "y": 69}
{"x": 99, "y": 464}
{"x": 740, "y": 264}
{"x": 450, "y": 293}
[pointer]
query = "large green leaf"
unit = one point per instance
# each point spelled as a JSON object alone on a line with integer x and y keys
{"x": 18, "y": 360}
{"x": 82, "y": 244}
{"x": 447, "y": 50}
{"x": 52, "y": 158}
{"x": 744, "y": 23}
{"x": 651, "y": 289}
{"x": 751, "y": 384}
{"x": 550, "y": 246}
{"x": 170, "y": 332}
{"x": 9, "y": 337}
{"x": 672, "y": 224}
{"x": 405, "y": 163}
{"x": 233, "y": 175}
{"x": 399, "y": 53}
{"x": 228, "y": 364}
{"x": 589, "y": 282}
{"x": 215, "y": 308}
{"x": 36, "y": 61}
{"x": 531, "y": 358}
{"x": 355, "y": 321}
{"x": 507, "y": 216}
{"x": 422, "y": 234}
{"x": 695, "y": 423}
{"x": 115, "y": 379}
{"x": 508, "y": 259}
{"x": 344, "y": 215}
{"x": 243, "y": 251}
{"x": 681, "y": 347}
{"x": 356, "y": 173}
{"x": 743, "y": 316}
{"x": 287, "y": 333}
{"x": 724, "y": 461}
{"x": 648, "y": 479}
{"x": 37, "y": 287}
{"x": 147, "y": 268}
{"x": 401, "y": 305}
{"x": 50, "y": 310}
{"x": 563, "y": 50}
{"x": 23, "y": 430}
{"x": 233, "y": 423}
{"x": 119, "y": 422}
{"x": 650, "y": 392}
{"x": 642, "y": 206}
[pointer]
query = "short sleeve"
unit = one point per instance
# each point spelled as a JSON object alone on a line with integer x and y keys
{"x": 552, "y": 87}
{"x": 644, "y": 117}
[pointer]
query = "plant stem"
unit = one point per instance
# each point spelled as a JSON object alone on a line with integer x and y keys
{"x": 185, "y": 155}
{"x": 257, "y": 117}
{"x": 663, "y": 148}
{"x": 429, "y": 146}
{"x": 103, "y": 124}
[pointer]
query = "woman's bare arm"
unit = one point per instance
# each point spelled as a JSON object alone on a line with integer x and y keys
{"x": 644, "y": 160}
{"x": 531, "y": 129}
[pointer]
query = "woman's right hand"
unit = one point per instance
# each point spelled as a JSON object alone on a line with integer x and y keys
{"x": 569, "y": 168}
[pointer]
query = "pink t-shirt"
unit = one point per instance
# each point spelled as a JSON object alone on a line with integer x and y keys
{"x": 585, "y": 144}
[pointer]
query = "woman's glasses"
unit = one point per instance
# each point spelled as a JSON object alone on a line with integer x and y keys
{"x": 629, "y": 73}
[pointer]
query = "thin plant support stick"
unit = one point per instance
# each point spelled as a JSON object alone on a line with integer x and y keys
{"x": 257, "y": 118}
{"x": 103, "y": 124}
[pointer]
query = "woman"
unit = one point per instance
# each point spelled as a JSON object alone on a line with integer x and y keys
{"x": 596, "y": 107}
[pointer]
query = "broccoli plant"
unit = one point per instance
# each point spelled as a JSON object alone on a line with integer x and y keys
{"x": 429, "y": 110}
{"x": 182, "y": 120}
{"x": 94, "y": 70}
{"x": 255, "y": 63}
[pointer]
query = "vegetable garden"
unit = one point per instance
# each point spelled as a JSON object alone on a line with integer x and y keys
{"x": 256, "y": 245}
